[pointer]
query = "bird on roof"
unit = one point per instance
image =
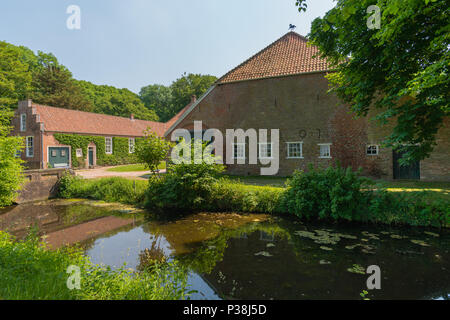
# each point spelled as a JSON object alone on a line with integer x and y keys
{"x": 292, "y": 27}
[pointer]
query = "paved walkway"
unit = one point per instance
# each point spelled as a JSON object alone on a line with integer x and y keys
{"x": 103, "y": 172}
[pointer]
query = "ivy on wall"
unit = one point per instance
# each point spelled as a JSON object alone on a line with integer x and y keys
{"x": 119, "y": 156}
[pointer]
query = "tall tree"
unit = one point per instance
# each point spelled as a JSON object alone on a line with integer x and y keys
{"x": 117, "y": 102}
{"x": 53, "y": 85}
{"x": 15, "y": 76}
{"x": 401, "y": 69}
{"x": 187, "y": 86}
{"x": 168, "y": 101}
{"x": 158, "y": 98}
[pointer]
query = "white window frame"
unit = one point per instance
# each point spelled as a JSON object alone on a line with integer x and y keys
{"x": 23, "y": 122}
{"x": 372, "y": 145}
{"x": 259, "y": 150}
{"x": 79, "y": 153}
{"x": 29, "y": 155}
{"x": 243, "y": 150}
{"x": 329, "y": 150}
{"x": 106, "y": 145}
{"x": 301, "y": 149}
{"x": 131, "y": 145}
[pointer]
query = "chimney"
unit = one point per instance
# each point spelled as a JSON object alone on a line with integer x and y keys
{"x": 132, "y": 117}
{"x": 193, "y": 98}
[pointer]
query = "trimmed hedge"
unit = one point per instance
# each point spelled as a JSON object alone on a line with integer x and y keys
{"x": 119, "y": 156}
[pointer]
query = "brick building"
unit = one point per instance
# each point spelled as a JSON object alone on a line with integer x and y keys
{"x": 39, "y": 124}
{"x": 284, "y": 87}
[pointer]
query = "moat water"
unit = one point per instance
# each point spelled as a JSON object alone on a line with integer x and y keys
{"x": 232, "y": 256}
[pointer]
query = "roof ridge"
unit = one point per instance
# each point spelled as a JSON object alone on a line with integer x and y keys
{"x": 218, "y": 81}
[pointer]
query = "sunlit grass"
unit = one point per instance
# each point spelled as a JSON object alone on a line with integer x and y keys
{"x": 135, "y": 167}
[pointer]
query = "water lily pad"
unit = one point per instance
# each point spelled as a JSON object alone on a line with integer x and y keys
{"x": 270, "y": 245}
{"x": 324, "y": 262}
{"x": 431, "y": 234}
{"x": 263, "y": 253}
{"x": 357, "y": 269}
{"x": 396, "y": 236}
{"x": 326, "y": 248}
{"x": 420, "y": 243}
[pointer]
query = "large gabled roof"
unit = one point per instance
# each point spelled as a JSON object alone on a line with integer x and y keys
{"x": 289, "y": 55}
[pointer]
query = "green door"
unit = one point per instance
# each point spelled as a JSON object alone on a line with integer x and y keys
{"x": 411, "y": 171}
{"x": 91, "y": 156}
{"x": 58, "y": 157}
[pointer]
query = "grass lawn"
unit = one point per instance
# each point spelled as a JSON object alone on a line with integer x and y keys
{"x": 135, "y": 167}
{"x": 436, "y": 189}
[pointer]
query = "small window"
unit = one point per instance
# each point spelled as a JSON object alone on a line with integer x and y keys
{"x": 79, "y": 153}
{"x": 108, "y": 145}
{"x": 131, "y": 143}
{"x": 23, "y": 122}
{"x": 265, "y": 150}
{"x": 325, "y": 150}
{"x": 53, "y": 153}
{"x": 30, "y": 147}
{"x": 18, "y": 154}
{"x": 63, "y": 153}
{"x": 238, "y": 150}
{"x": 295, "y": 150}
{"x": 372, "y": 150}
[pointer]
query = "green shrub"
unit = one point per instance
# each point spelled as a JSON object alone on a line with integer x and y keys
{"x": 184, "y": 187}
{"x": 334, "y": 193}
{"x": 230, "y": 196}
{"x": 29, "y": 271}
{"x": 114, "y": 189}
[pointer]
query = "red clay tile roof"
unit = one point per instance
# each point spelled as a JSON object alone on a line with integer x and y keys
{"x": 288, "y": 55}
{"x": 73, "y": 121}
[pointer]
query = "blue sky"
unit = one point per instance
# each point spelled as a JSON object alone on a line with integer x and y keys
{"x": 133, "y": 43}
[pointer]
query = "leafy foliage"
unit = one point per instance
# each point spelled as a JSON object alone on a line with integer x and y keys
{"x": 400, "y": 69}
{"x": 168, "y": 101}
{"x": 24, "y": 74}
{"x": 113, "y": 101}
{"x": 15, "y": 78}
{"x": 333, "y": 193}
{"x": 28, "y": 270}
{"x": 153, "y": 150}
{"x": 120, "y": 155}
{"x": 53, "y": 85}
{"x": 184, "y": 187}
{"x": 114, "y": 189}
{"x": 158, "y": 98}
{"x": 10, "y": 166}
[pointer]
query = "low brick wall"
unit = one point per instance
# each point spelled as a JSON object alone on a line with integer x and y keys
{"x": 40, "y": 184}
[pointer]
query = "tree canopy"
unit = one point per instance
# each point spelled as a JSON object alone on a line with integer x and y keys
{"x": 168, "y": 101}
{"x": 40, "y": 77}
{"x": 400, "y": 70}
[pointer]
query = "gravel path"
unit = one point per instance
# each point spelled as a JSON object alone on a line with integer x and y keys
{"x": 103, "y": 172}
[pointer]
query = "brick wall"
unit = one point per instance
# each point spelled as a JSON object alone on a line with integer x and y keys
{"x": 303, "y": 111}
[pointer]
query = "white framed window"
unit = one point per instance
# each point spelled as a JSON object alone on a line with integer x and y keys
{"x": 131, "y": 143}
{"x": 23, "y": 122}
{"x": 238, "y": 150}
{"x": 294, "y": 150}
{"x": 325, "y": 150}
{"x": 372, "y": 150}
{"x": 30, "y": 147}
{"x": 79, "y": 153}
{"x": 265, "y": 150}
{"x": 108, "y": 145}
